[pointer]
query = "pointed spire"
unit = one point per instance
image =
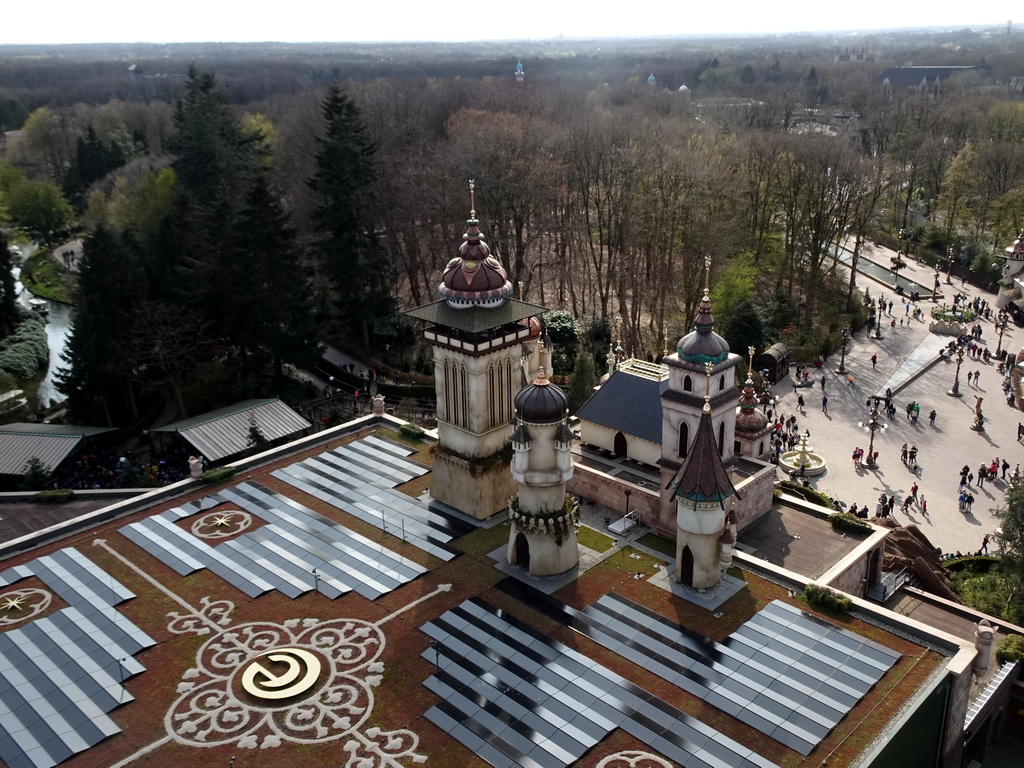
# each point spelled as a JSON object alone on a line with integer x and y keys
{"x": 705, "y": 322}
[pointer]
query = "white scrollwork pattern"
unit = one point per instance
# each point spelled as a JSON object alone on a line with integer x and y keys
{"x": 632, "y": 758}
{"x": 221, "y": 525}
{"x": 213, "y": 613}
{"x": 216, "y": 708}
{"x": 20, "y": 605}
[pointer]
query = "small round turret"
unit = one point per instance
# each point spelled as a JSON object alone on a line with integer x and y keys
{"x": 541, "y": 402}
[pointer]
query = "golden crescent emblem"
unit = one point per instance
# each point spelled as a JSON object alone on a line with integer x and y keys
{"x": 302, "y": 673}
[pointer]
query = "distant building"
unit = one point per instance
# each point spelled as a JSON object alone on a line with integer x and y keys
{"x": 918, "y": 78}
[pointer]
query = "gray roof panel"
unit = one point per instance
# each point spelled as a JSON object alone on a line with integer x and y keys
{"x": 628, "y": 404}
{"x": 225, "y": 432}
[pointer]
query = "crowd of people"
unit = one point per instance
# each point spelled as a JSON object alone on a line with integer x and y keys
{"x": 98, "y": 468}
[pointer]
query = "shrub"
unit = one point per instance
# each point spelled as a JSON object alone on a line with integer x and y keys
{"x": 56, "y": 496}
{"x": 844, "y": 521}
{"x": 411, "y": 431}
{"x": 25, "y": 352}
{"x": 823, "y": 597}
{"x": 807, "y": 494}
{"x": 1010, "y": 648}
{"x": 218, "y": 475}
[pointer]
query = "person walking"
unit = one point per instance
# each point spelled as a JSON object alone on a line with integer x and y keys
{"x": 984, "y": 544}
{"x": 931, "y": 417}
{"x": 963, "y": 502}
{"x": 1006, "y": 467}
{"x": 903, "y": 453}
{"x": 970, "y": 502}
{"x": 891, "y": 505}
{"x": 800, "y": 402}
{"x": 824, "y": 404}
{"x": 913, "y": 491}
{"x": 822, "y": 383}
{"x": 912, "y": 456}
{"x": 893, "y": 324}
{"x": 874, "y": 361}
{"x": 924, "y": 506}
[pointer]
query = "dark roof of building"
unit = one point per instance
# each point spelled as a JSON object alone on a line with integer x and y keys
{"x": 225, "y": 432}
{"x": 628, "y": 404}
{"x": 475, "y": 319}
{"x": 911, "y": 76}
{"x": 703, "y": 476}
{"x": 541, "y": 402}
{"x": 50, "y": 443}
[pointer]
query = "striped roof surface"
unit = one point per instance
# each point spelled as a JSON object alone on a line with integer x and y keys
{"x": 50, "y": 443}
{"x": 225, "y": 432}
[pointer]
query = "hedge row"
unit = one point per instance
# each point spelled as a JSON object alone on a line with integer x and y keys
{"x": 25, "y": 352}
{"x": 823, "y": 597}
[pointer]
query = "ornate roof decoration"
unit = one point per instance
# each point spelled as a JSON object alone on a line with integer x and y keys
{"x": 474, "y": 278}
{"x": 749, "y": 420}
{"x": 542, "y": 402}
{"x": 702, "y": 344}
{"x": 703, "y": 476}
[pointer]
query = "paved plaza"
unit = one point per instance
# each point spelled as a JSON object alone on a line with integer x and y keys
{"x": 943, "y": 448}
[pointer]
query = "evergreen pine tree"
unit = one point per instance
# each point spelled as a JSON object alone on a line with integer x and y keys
{"x": 9, "y": 314}
{"x": 110, "y": 282}
{"x": 269, "y": 311}
{"x": 356, "y": 263}
{"x": 582, "y": 381}
{"x": 36, "y": 475}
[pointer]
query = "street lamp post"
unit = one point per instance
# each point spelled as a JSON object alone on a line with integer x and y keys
{"x": 842, "y": 358}
{"x": 1001, "y": 320}
{"x": 903, "y": 243}
{"x": 872, "y": 425}
{"x": 628, "y": 492}
{"x": 949, "y": 264}
{"x": 955, "y": 391}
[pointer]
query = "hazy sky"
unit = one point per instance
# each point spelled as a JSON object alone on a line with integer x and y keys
{"x": 159, "y": 21}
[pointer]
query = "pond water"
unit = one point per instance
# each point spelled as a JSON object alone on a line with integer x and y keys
{"x": 58, "y": 327}
{"x": 886, "y": 275}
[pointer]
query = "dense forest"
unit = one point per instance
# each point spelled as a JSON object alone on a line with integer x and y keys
{"x": 243, "y": 203}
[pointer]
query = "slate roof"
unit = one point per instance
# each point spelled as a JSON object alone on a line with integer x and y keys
{"x": 912, "y": 76}
{"x": 50, "y": 443}
{"x": 475, "y": 319}
{"x": 703, "y": 476}
{"x": 628, "y": 404}
{"x": 225, "y": 432}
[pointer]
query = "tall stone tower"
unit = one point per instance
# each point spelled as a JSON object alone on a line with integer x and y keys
{"x": 543, "y": 534}
{"x": 682, "y": 405}
{"x": 487, "y": 345}
{"x": 701, "y": 488}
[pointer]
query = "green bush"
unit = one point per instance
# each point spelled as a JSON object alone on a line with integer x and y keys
{"x": 825, "y": 598}
{"x": 807, "y": 494}
{"x": 57, "y": 496}
{"x": 411, "y": 431}
{"x": 1010, "y": 648}
{"x": 218, "y": 475}
{"x": 844, "y": 521}
{"x": 25, "y": 352}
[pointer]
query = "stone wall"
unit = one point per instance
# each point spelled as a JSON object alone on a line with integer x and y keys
{"x": 608, "y": 491}
{"x": 756, "y": 497}
{"x": 479, "y": 496}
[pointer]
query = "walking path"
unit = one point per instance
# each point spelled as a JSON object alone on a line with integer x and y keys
{"x": 942, "y": 449}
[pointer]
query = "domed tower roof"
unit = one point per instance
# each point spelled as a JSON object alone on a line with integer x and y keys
{"x": 541, "y": 402}
{"x": 652, "y": 79}
{"x": 749, "y": 420}
{"x": 1016, "y": 251}
{"x": 702, "y": 344}
{"x": 474, "y": 277}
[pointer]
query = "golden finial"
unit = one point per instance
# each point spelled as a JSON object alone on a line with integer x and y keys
{"x": 708, "y": 370}
{"x": 750, "y": 365}
{"x": 472, "y": 199}
{"x": 707, "y": 275}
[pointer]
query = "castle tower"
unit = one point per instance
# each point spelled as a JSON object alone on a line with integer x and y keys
{"x": 485, "y": 344}
{"x": 520, "y": 74}
{"x": 700, "y": 490}
{"x": 682, "y": 406}
{"x": 543, "y": 531}
{"x": 752, "y": 427}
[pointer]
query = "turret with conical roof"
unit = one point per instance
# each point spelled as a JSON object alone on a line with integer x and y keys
{"x": 701, "y": 488}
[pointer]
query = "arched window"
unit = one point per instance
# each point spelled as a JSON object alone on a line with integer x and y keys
{"x": 684, "y": 438}
{"x": 687, "y": 384}
{"x": 721, "y": 383}
{"x": 721, "y": 438}
{"x": 760, "y": 448}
